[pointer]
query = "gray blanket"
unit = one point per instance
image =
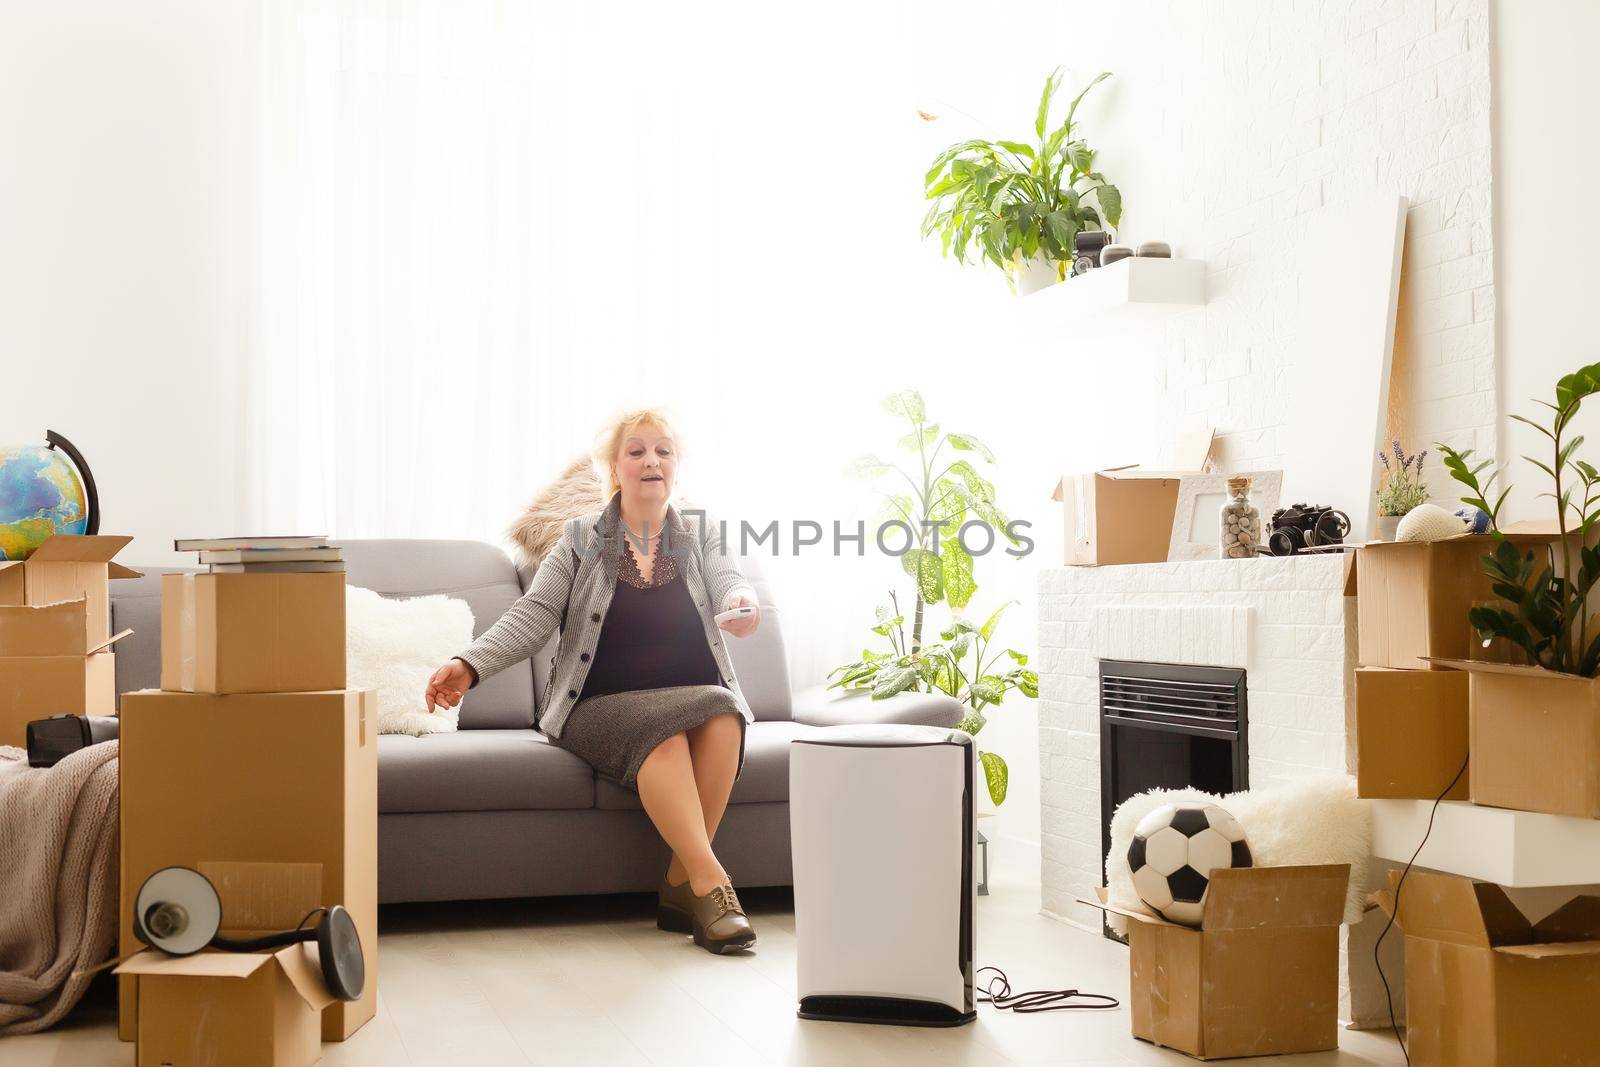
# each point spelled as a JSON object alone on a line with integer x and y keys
{"x": 58, "y": 881}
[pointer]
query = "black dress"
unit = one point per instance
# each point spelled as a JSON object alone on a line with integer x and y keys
{"x": 653, "y": 675}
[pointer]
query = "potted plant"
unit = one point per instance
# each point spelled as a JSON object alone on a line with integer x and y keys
{"x": 1021, "y": 206}
{"x": 964, "y": 664}
{"x": 941, "y": 500}
{"x": 1534, "y": 745}
{"x": 1545, "y": 614}
{"x": 1402, "y": 489}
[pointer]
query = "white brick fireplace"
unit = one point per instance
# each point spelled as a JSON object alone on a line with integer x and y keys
{"x": 1287, "y": 622}
{"x": 1282, "y": 620}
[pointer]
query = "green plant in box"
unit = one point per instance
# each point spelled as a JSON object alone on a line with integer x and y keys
{"x": 1546, "y": 614}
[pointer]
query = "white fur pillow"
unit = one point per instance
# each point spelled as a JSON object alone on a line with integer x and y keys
{"x": 1316, "y": 820}
{"x": 394, "y": 646}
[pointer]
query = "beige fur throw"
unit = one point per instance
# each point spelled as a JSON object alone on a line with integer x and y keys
{"x": 536, "y": 531}
{"x": 575, "y": 493}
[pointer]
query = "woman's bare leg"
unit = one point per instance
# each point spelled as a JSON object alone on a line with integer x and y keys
{"x": 714, "y": 751}
{"x": 670, "y": 796}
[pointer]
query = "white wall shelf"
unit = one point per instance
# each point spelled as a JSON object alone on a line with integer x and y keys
{"x": 1509, "y": 848}
{"x": 1138, "y": 286}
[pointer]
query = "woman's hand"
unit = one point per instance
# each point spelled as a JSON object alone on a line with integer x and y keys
{"x": 746, "y": 626}
{"x": 448, "y": 684}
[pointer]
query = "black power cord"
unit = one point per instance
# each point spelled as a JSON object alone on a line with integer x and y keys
{"x": 1394, "y": 1024}
{"x": 1003, "y": 999}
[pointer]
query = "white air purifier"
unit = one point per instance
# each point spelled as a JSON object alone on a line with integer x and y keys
{"x": 882, "y": 831}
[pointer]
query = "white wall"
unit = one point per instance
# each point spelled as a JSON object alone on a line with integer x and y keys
{"x": 122, "y": 193}
{"x": 126, "y": 205}
{"x": 1547, "y": 220}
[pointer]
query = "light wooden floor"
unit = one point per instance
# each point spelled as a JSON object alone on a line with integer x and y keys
{"x": 593, "y": 982}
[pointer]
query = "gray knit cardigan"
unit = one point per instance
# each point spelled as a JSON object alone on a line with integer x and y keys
{"x": 571, "y": 593}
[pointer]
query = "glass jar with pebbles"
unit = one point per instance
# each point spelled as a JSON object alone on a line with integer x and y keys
{"x": 1240, "y": 522}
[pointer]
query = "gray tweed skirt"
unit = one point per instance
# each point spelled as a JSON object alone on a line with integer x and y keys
{"x": 614, "y": 732}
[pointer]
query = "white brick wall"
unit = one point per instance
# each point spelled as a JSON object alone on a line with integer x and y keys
{"x": 1281, "y": 109}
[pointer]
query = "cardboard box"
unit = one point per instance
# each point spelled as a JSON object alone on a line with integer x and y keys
{"x": 252, "y": 633}
{"x": 60, "y": 629}
{"x": 1484, "y": 987}
{"x": 68, "y": 567}
{"x": 1124, "y": 514}
{"x": 1411, "y": 733}
{"x": 37, "y": 687}
{"x": 266, "y": 778}
{"x": 1413, "y": 598}
{"x": 1260, "y": 977}
{"x": 254, "y": 1009}
{"x": 1535, "y": 738}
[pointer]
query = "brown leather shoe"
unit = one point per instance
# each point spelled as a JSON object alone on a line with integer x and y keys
{"x": 719, "y": 922}
{"x": 673, "y": 906}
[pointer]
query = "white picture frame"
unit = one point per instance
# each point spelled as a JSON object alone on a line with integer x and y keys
{"x": 1195, "y": 519}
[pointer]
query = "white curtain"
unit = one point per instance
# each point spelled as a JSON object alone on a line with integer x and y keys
{"x": 484, "y": 225}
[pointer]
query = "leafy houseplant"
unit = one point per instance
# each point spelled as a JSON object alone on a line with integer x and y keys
{"x": 1546, "y": 616}
{"x": 1009, "y": 202}
{"x": 940, "y": 502}
{"x": 1403, "y": 488}
{"x": 962, "y": 665}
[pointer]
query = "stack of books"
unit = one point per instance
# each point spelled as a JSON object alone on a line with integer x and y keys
{"x": 264, "y": 555}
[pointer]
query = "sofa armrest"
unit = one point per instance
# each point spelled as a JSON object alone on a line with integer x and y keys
{"x": 820, "y": 706}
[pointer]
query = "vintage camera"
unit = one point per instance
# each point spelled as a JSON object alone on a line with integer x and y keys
{"x": 1301, "y": 526}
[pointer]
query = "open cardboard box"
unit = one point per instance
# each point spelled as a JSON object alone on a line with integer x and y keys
{"x": 1535, "y": 738}
{"x": 1261, "y": 975}
{"x": 64, "y": 628}
{"x": 68, "y": 567}
{"x": 39, "y": 686}
{"x": 243, "y": 1009}
{"x": 1486, "y": 988}
{"x": 1413, "y": 596}
{"x": 1124, "y": 514}
{"x": 1411, "y": 733}
{"x": 282, "y": 779}
{"x": 252, "y": 633}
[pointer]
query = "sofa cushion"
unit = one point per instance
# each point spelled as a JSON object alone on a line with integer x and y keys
{"x": 765, "y": 776}
{"x": 478, "y": 573}
{"x": 480, "y": 770}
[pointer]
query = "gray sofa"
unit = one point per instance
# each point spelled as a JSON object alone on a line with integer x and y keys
{"x": 494, "y": 809}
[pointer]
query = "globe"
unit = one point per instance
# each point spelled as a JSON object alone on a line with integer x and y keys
{"x": 41, "y": 495}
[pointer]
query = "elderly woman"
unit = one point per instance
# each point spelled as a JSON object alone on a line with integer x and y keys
{"x": 642, "y": 689}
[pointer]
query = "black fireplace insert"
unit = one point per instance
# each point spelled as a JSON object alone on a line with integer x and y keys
{"x": 1169, "y": 726}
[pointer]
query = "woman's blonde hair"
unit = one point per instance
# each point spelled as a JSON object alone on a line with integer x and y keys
{"x": 616, "y": 430}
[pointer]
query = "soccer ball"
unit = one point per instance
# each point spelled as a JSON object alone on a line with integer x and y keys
{"x": 1175, "y": 848}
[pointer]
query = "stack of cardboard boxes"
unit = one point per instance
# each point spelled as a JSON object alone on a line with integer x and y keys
{"x": 1483, "y": 985}
{"x": 55, "y": 632}
{"x": 254, "y": 765}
